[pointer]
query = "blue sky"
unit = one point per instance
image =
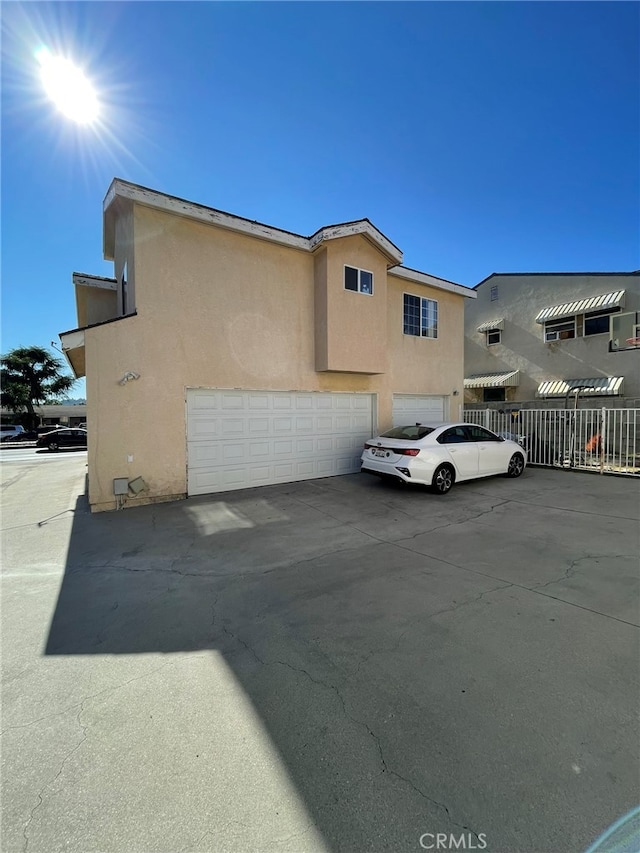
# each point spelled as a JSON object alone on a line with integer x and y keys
{"x": 478, "y": 137}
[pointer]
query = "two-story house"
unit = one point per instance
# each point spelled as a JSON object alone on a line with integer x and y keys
{"x": 542, "y": 337}
{"x": 225, "y": 353}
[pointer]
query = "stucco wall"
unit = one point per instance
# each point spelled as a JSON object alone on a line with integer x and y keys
{"x": 222, "y": 310}
{"x": 356, "y": 324}
{"x": 520, "y": 298}
{"x": 425, "y": 365}
{"x": 95, "y": 304}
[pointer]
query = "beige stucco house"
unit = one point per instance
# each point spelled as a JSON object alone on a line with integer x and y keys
{"x": 226, "y": 354}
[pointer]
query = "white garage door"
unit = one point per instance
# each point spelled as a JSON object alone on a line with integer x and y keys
{"x": 413, "y": 409}
{"x": 241, "y": 439}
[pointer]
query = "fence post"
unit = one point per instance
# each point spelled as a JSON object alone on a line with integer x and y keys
{"x": 603, "y": 437}
{"x": 487, "y": 418}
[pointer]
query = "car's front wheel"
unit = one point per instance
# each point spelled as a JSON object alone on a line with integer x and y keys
{"x": 53, "y": 445}
{"x": 516, "y": 465}
{"x": 443, "y": 479}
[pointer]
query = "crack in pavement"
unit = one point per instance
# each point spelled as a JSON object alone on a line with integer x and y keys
{"x": 571, "y": 569}
{"x": 449, "y": 524}
{"x": 470, "y": 600}
{"x": 80, "y": 705}
{"x": 361, "y": 723}
{"x": 420, "y": 620}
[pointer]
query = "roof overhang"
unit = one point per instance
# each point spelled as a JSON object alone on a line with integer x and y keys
{"x": 417, "y": 277}
{"x": 491, "y": 325}
{"x": 72, "y": 345}
{"x": 509, "y": 378}
{"x": 603, "y": 302}
{"x": 364, "y": 227}
{"x": 87, "y": 287}
{"x": 599, "y": 386}
{"x": 122, "y": 193}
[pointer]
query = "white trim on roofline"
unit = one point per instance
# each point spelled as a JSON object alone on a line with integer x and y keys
{"x": 86, "y": 280}
{"x": 432, "y": 281}
{"x": 181, "y": 207}
{"x": 361, "y": 226}
{"x": 71, "y": 340}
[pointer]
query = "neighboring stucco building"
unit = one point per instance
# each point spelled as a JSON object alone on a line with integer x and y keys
{"x": 534, "y": 337}
{"x": 226, "y": 354}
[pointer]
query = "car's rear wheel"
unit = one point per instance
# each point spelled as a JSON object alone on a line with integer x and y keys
{"x": 516, "y": 465}
{"x": 53, "y": 445}
{"x": 443, "y": 479}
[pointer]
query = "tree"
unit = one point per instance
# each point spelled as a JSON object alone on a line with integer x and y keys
{"x": 30, "y": 376}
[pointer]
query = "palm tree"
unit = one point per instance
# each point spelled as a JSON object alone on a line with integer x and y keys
{"x": 29, "y": 376}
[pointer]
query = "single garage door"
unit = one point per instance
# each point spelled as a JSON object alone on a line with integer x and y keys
{"x": 413, "y": 409}
{"x": 241, "y": 439}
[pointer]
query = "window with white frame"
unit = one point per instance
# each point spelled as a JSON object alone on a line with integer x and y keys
{"x": 494, "y": 292}
{"x": 597, "y": 322}
{"x": 420, "y": 316}
{"x": 494, "y": 336}
{"x": 560, "y": 330}
{"x": 360, "y": 281}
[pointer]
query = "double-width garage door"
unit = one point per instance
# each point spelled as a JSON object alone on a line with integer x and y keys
{"x": 413, "y": 409}
{"x": 241, "y": 439}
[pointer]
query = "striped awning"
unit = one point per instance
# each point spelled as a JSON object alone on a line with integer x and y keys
{"x": 493, "y": 380}
{"x": 581, "y": 306}
{"x": 599, "y": 386}
{"x": 492, "y": 324}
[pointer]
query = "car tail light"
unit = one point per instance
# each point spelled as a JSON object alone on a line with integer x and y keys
{"x": 367, "y": 446}
{"x": 407, "y": 451}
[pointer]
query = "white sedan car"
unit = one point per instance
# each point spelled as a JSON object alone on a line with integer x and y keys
{"x": 439, "y": 455}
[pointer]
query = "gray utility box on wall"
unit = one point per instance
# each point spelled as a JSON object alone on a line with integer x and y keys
{"x": 121, "y": 486}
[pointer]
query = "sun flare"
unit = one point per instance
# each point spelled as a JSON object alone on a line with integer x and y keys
{"x": 68, "y": 87}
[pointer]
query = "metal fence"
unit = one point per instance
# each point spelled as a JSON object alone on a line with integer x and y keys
{"x": 605, "y": 440}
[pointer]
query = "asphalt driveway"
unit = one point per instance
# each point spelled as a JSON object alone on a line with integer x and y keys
{"x": 335, "y": 665}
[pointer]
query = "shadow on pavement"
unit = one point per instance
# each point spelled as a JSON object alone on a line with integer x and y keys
{"x": 346, "y": 647}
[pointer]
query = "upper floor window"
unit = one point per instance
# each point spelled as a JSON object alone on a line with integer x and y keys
{"x": 581, "y": 325}
{"x": 597, "y": 322}
{"x": 560, "y": 330}
{"x": 494, "y": 336}
{"x": 420, "y": 316}
{"x": 360, "y": 281}
{"x": 494, "y": 292}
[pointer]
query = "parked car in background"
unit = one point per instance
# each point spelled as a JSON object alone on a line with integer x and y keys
{"x": 10, "y": 432}
{"x": 438, "y": 455}
{"x": 63, "y": 438}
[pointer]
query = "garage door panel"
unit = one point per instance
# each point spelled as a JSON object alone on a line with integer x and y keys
{"x": 258, "y": 426}
{"x": 413, "y": 408}
{"x": 232, "y": 452}
{"x": 258, "y": 401}
{"x": 239, "y": 439}
{"x": 205, "y": 454}
{"x": 232, "y": 427}
{"x": 231, "y": 402}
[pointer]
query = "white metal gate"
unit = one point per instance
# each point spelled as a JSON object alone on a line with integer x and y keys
{"x": 606, "y": 440}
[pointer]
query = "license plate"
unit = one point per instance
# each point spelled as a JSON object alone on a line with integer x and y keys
{"x": 380, "y": 453}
